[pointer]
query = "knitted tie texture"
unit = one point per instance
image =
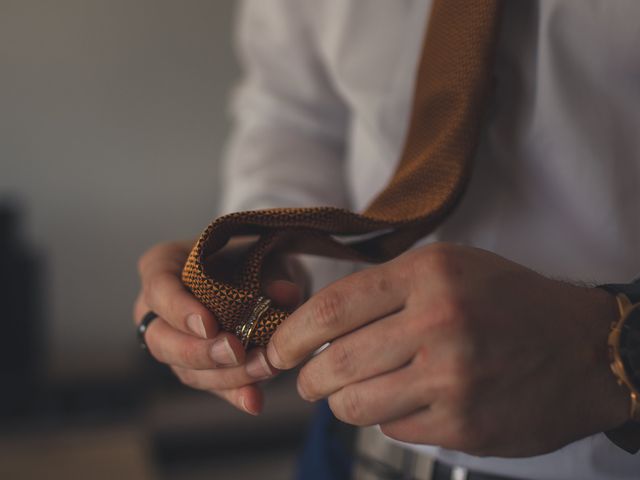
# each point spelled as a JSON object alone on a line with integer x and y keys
{"x": 451, "y": 90}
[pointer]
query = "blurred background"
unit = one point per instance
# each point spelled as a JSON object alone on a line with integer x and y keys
{"x": 112, "y": 121}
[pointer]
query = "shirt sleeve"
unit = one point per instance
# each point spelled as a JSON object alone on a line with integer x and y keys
{"x": 287, "y": 146}
{"x": 288, "y": 140}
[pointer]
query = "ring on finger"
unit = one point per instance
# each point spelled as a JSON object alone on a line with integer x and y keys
{"x": 149, "y": 317}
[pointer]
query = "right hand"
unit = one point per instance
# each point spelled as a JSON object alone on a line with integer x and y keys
{"x": 186, "y": 336}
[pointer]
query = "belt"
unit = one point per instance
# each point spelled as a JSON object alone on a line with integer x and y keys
{"x": 378, "y": 458}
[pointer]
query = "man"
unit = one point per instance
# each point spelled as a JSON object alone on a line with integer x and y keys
{"x": 470, "y": 357}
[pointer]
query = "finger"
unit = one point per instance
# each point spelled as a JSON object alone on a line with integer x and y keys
{"x": 284, "y": 280}
{"x": 337, "y": 309}
{"x": 171, "y": 346}
{"x": 257, "y": 366}
{"x": 165, "y": 294}
{"x": 140, "y": 309}
{"x": 439, "y": 425}
{"x": 426, "y": 425}
{"x": 277, "y": 267}
{"x": 284, "y": 293}
{"x": 171, "y": 255}
{"x": 379, "y": 347}
{"x": 382, "y": 399}
{"x": 221, "y": 378}
{"x": 248, "y": 398}
{"x": 160, "y": 268}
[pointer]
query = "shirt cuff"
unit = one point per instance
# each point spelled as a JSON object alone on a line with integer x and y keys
{"x": 626, "y": 436}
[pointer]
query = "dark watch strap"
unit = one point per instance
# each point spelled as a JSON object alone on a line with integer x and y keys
{"x": 627, "y": 435}
{"x": 631, "y": 290}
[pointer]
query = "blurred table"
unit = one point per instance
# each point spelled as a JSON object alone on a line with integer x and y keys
{"x": 98, "y": 453}
{"x": 168, "y": 434}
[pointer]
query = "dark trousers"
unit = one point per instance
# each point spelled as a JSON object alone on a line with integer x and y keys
{"x": 328, "y": 449}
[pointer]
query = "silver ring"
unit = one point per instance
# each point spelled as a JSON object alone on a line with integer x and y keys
{"x": 245, "y": 330}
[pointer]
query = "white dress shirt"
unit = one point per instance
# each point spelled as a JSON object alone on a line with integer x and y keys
{"x": 322, "y": 112}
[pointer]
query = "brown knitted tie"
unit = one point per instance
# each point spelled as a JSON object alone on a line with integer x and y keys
{"x": 451, "y": 89}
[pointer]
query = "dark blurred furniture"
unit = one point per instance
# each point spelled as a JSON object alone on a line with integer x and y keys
{"x": 145, "y": 425}
{"x": 21, "y": 324}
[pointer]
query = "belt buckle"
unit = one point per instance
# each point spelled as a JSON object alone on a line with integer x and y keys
{"x": 459, "y": 473}
{"x": 451, "y": 472}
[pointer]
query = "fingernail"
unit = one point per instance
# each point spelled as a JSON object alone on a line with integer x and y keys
{"x": 301, "y": 391}
{"x": 258, "y": 367}
{"x": 196, "y": 325}
{"x": 273, "y": 356}
{"x": 222, "y": 353}
{"x": 243, "y": 403}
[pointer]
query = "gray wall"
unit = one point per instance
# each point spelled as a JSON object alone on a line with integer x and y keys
{"x": 112, "y": 117}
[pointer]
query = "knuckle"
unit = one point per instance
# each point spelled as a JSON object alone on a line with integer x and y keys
{"x": 439, "y": 259}
{"x": 148, "y": 257}
{"x": 327, "y": 309}
{"x": 447, "y": 308}
{"x": 155, "y": 283}
{"x": 185, "y": 376}
{"x": 150, "y": 285}
{"x": 159, "y": 292}
{"x": 442, "y": 251}
{"x": 443, "y": 316}
{"x": 404, "y": 267}
{"x": 382, "y": 283}
{"x": 142, "y": 262}
{"x": 342, "y": 360}
{"x": 138, "y": 309}
{"x": 190, "y": 354}
{"x": 379, "y": 279}
{"x": 145, "y": 292}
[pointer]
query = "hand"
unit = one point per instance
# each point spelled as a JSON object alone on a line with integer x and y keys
{"x": 186, "y": 336}
{"x": 458, "y": 347}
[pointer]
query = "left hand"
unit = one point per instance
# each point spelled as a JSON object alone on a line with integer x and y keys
{"x": 199, "y": 354}
{"x": 458, "y": 347}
